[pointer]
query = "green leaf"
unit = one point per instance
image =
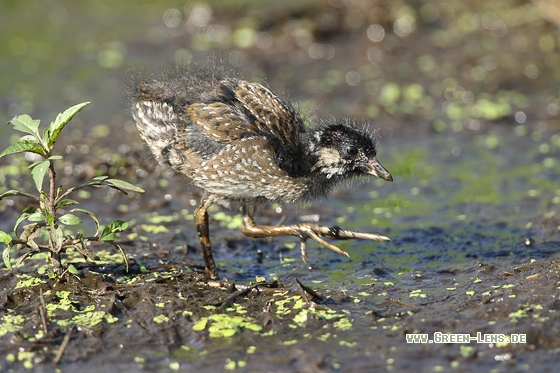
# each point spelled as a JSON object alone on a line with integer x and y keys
{"x": 92, "y": 215}
{"x": 24, "y": 215}
{"x": 93, "y": 182}
{"x": 69, "y": 219}
{"x": 57, "y": 236}
{"x": 34, "y": 164}
{"x": 32, "y": 244}
{"x": 66, "y": 202}
{"x": 23, "y": 257}
{"x": 48, "y": 217}
{"x": 109, "y": 232}
{"x": 123, "y": 185}
{"x": 31, "y": 138}
{"x": 53, "y": 131}
{"x": 107, "y": 235}
{"x": 5, "y": 237}
{"x": 53, "y": 157}
{"x": 10, "y": 193}
{"x": 30, "y": 232}
{"x": 24, "y": 146}
{"x": 123, "y": 254}
{"x": 39, "y": 172}
{"x": 6, "y": 257}
{"x": 25, "y": 123}
{"x": 36, "y": 216}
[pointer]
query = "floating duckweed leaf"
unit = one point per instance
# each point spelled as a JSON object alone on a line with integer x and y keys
{"x": 230, "y": 365}
{"x": 300, "y": 303}
{"x": 154, "y": 229}
{"x": 225, "y": 326}
{"x": 158, "y": 219}
{"x": 28, "y": 281}
{"x": 89, "y": 319}
{"x": 301, "y": 318}
{"x": 343, "y": 324}
{"x": 466, "y": 351}
{"x": 251, "y": 349}
{"x": 324, "y": 337}
{"x": 161, "y": 319}
{"x": 217, "y": 332}
{"x": 73, "y": 270}
{"x": 10, "y": 323}
{"x": 230, "y": 222}
{"x": 201, "y": 325}
{"x": 253, "y": 327}
{"x": 347, "y": 344}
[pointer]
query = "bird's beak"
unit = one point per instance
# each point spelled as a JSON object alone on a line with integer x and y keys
{"x": 376, "y": 169}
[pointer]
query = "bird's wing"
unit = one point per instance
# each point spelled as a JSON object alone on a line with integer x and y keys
{"x": 218, "y": 121}
{"x": 271, "y": 117}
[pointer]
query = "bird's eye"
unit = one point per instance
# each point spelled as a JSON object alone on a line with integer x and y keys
{"x": 351, "y": 150}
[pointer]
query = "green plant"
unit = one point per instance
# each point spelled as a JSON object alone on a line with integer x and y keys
{"x": 45, "y": 222}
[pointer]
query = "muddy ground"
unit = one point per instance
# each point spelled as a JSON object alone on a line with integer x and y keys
{"x": 467, "y": 127}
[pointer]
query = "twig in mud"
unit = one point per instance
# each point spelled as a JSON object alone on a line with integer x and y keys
{"x": 221, "y": 306}
{"x": 63, "y": 346}
{"x": 265, "y": 287}
{"x": 305, "y": 289}
{"x": 43, "y": 311}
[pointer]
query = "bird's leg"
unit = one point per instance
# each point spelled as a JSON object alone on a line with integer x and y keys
{"x": 201, "y": 221}
{"x": 305, "y": 231}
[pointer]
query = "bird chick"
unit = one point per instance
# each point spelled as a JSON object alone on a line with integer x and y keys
{"x": 240, "y": 143}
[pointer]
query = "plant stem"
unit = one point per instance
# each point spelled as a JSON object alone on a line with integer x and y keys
{"x": 52, "y": 189}
{"x": 55, "y": 252}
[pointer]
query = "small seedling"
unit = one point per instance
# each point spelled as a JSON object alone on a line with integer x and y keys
{"x": 46, "y": 224}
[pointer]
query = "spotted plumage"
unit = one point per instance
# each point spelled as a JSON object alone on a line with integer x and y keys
{"x": 239, "y": 142}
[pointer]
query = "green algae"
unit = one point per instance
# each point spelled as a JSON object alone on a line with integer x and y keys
{"x": 10, "y": 322}
{"x": 225, "y": 326}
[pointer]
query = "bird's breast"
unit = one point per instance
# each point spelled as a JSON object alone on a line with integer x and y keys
{"x": 247, "y": 169}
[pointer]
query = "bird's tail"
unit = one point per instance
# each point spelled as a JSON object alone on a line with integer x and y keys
{"x": 157, "y": 124}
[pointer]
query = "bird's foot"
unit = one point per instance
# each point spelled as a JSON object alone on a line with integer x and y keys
{"x": 316, "y": 232}
{"x": 308, "y": 231}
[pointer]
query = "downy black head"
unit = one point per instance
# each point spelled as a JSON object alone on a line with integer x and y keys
{"x": 343, "y": 151}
